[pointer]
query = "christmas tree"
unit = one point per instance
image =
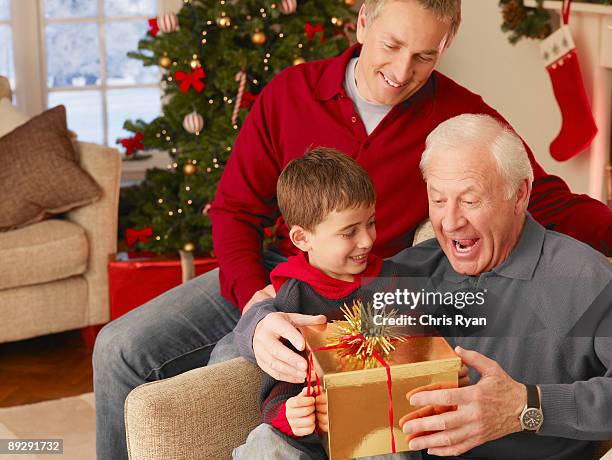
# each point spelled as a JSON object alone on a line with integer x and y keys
{"x": 215, "y": 57}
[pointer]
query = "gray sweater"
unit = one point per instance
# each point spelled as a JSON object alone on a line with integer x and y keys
{"x": 549, "y": 314}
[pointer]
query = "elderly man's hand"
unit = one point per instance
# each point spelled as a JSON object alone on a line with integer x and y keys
{"x": 464, "y": 377}
{"x": 273, "y": 357}
{"x": 485, "y": 411}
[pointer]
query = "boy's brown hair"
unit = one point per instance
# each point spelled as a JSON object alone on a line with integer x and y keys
{"x": 322, "y": 181}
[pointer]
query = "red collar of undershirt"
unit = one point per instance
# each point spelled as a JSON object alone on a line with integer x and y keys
{"x": 299, "y": 268}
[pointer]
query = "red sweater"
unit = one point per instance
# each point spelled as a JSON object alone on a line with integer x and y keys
{"x": 306, "y": 106}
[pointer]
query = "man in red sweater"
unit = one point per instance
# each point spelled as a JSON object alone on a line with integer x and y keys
{"x": 377, "y": 102}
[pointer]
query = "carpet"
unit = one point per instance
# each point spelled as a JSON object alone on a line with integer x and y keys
{"x": 71, "y": 419}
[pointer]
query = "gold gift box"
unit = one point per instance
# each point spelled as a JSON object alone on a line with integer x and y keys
{"x": 358, "y": 398}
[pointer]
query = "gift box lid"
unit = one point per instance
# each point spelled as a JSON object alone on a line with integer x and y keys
{"x": 415, "y": 357}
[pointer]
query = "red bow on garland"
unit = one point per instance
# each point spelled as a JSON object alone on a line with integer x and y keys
{"x": 132, "y": 144}
{"x": 153, "y": 27}
{"x": 247, "y": 100}
{"x": 132, "y": 235}
{"x": 312, "y": 30}
{"x": 190, "y": 79}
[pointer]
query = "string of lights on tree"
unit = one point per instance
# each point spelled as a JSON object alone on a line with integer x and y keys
{"x": 214, "y": 57}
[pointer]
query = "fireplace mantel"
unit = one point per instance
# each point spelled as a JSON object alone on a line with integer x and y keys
{"x": 591, "y": 27}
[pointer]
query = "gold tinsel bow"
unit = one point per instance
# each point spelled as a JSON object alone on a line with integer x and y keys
{"x": 358, "y": 337}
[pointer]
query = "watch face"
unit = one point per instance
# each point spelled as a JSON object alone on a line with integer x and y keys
{"x": 532, "y": 419}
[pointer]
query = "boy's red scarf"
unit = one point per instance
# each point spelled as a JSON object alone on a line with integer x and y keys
{"x": 299, "y": 268}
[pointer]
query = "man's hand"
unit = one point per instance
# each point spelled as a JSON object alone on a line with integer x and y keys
{"x": 321, "y": 410}
{"x": 266, "y": 293}
{"x": 272, "y": 356}
{"x": 300, "y": 412}
{"x": 485, "y": 411}
{"x": 464, "y": 378}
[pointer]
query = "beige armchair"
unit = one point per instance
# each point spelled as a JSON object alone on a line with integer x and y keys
{"x": 53, "y": 274}
{"x": 205, "y": 413}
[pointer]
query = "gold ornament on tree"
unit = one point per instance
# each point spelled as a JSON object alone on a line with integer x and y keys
{"x": 258, "y": 38}
{"x": 189, "y": 247}
{"x": 298, "y": 61}
{"x": 189, "y": 169}
{"x": 337, "y": 21}
{"x": 165, "y": 62}
{"x": 350, "y": 2}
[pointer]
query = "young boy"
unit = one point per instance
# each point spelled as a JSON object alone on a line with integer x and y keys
{"x": 327, "y": 201}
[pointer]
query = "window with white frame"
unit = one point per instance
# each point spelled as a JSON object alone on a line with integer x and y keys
{"x": 81, "y": 62}
{"x": 7, "y": 65}
{"x": 87, "y": 69}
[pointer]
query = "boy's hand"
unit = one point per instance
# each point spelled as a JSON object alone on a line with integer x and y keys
{"x": 321, "y": 411}
{"x": 300, "y": 412}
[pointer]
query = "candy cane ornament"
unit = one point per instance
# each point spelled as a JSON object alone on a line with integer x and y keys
{"x": 240, "y": 77}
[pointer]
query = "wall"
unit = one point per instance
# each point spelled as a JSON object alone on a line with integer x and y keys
{"x": 513, "y": 80}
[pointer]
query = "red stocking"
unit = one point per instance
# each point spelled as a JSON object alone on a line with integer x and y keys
{"x": 578, "y": 128}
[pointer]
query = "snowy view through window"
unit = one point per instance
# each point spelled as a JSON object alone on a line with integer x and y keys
{"x": 6, "y": 43}
{"x": 78, "y": 44}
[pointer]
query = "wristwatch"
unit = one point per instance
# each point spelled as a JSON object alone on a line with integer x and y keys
{"x": 531, "y": 417}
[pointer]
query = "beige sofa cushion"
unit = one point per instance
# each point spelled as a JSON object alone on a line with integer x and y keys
{"x": 29, "y": 311}
{"x": 50, "y": 250}
{"x": 40, "y": 175}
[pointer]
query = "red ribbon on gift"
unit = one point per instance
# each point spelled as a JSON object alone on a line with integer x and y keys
{"x": 132, "y": 144}
{"x": 376, "y": 355}
{"x": 153, "y": 27}
{"x": 312, "y": 30}
{"x": 132, "y": 235}
{"x": 190, "y": 79}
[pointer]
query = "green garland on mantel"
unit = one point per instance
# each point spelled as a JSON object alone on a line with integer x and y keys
{"x": 522, "y": 21}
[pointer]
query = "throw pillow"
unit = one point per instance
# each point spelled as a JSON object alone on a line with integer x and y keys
{"x": 40, "y": 175}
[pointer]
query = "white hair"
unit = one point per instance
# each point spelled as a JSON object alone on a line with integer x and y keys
{"x": 483, "y": 130}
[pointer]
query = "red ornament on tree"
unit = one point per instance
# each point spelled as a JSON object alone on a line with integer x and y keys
{"x": 188, "y": 80}
{"x": 132, "y": 144}
{"x": 312, "y": 30}
{"x": 153, "y": 27}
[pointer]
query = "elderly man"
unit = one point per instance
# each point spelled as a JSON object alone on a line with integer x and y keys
{"x": 377, "y": 102}
{"x": 545, "y": 365}
{"x": 552, "y": 310}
